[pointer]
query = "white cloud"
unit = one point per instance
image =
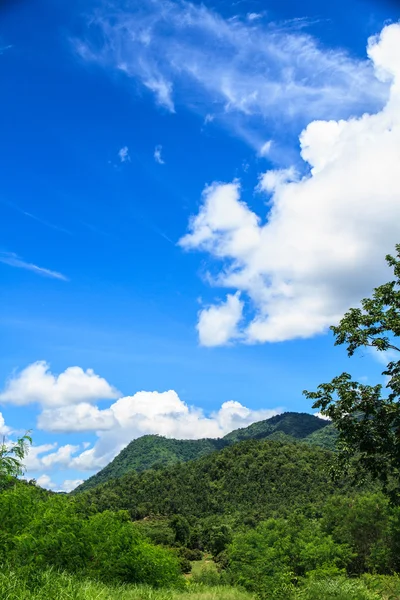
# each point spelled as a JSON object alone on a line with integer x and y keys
{"x": 157, "y": 155}
{"x": 218, "y": 324}
{"x": 13, "y": 260}
{"x": 76, "y": 417}
{"x": 250, "y": 71}
{"x": 162, "y": 90}
{"x": 36, "y": 383}
{"x": 66, "y": 398}
{"x": 254, "y": 16}
{"x": 4, "y": 429}
{"x": 68, "y": 485}
{"x": 33, "y": 458}
{"x": 321, "y": 416}
{"x": 163, "y": 413}
{"x": 40, "y": 457}
{"x": 123, "y": 154}
{"x": 322, "y": 244}
{"x": 265, "y": 148}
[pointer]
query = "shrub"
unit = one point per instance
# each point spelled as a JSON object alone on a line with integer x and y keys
{"x": 340, "y": 588}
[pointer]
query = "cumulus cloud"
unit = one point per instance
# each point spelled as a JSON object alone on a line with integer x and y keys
{"x": 123, "y": 154}
{"x": 67, "y": 403}
{"x": 157, "y": 155}
{"x": 249, "y": 70}
{"x": 78, "y": 417}
{"x": 68, "y": 485}
{"x": 218, "y": 324}
{"x": 321, "y": 244}
{"x": 39, "y": 457}
{"x": 36, "y": 383}
{"x": 4, "y": 429}
{"x": 321, "y": 416}
{"x": 13, "y": 260}
{"x": 163, "y": 413}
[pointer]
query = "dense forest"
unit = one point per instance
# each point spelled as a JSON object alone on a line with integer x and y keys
{"x": 262, "y": 478}
{"x": 152, "y": 451}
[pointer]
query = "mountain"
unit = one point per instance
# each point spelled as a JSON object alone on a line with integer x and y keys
{"x": 250, "y": 479}
{"x": 152, "y": 451}
{"x": 295, "y": 425}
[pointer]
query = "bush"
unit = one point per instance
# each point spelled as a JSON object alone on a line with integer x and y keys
{"x": 385, "y": 586}
{"x": 55, "y": 532}
{"x": 189, "y": 554}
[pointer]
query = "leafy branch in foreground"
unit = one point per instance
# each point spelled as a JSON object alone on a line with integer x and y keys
{"x": 369, "y": 424}
{"x": 12, "y": 456}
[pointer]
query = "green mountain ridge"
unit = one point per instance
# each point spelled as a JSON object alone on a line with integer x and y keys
{"x": 253, "y": 478}
{"x": 151, "y": 451}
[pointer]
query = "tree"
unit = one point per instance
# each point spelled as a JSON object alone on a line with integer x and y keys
{"x": 12, "y": 456}
{"x": 368, "y": 423}
{"x": 181, "y": 528}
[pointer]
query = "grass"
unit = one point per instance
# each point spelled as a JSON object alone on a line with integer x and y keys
{"x": 50, "y": 585}
{"x": 368, "y": 587}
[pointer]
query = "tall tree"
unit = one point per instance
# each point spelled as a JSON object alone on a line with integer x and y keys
{"x": 368, "y": 422}
{"x": 12, "y": 455}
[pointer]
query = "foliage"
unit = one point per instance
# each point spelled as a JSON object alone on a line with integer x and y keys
{"x": 12, "y": 455}
{"x": 270, "y": 559}
{"x": 256, "y": 479}
{"x": 338, "y": 588}
{"x": 181, "y": 529}
{"x": 153, "y": 451}
{"x": 37, "y": 532}
{"x": 368, "y": 424}
{"x": 365, "y": 523}
{"x": 157, "y": 530}
{"x": 325, "y": 437}
{"x": 385, "y": 586}
{"x": 295, "y": 425}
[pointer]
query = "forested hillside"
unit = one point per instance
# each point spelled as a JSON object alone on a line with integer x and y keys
{"x": 154, "y": 451}
{"x": 260, "y": 478}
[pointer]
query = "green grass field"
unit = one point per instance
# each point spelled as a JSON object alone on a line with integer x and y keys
{"x": 50, "y": 585}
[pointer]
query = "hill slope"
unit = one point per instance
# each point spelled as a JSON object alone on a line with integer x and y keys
{"x": 295, "y": 425}
{"x": 152, "y": 451}
{"x": 250, "y": 478}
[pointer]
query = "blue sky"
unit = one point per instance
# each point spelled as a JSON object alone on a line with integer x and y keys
{"x": 190, "y": 196}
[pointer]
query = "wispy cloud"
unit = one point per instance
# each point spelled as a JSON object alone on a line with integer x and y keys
{"x": 13, "y": 260}
{"x": 123, "y": 154}
{"x": 157, "y": 155}
{"x": 248, "y": 70}
{"x": 5, "y": 48}
{"x": 34, "y": 217}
